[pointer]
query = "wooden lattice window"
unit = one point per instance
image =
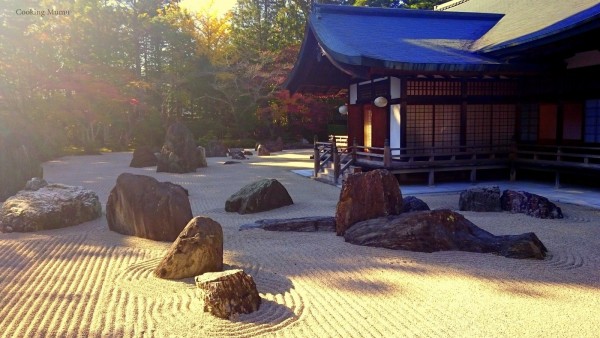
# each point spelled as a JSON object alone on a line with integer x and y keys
{"x": 419, "y": 126}
{"x": 592, "y": 121}
{"x": 529, "y": 121}
{"x": 447, "y": 126}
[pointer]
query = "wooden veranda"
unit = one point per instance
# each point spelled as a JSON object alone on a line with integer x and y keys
{"x": 342, "y": 157}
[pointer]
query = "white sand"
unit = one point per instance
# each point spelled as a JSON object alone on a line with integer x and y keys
{"x": 88, "y": 281}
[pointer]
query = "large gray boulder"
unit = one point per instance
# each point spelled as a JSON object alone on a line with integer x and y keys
{"x": 262, "y": 195}
{"x": 483, "y": 199}
{"x": 179, "y": 153}
{"x": 50, "y": 207}
{"x": 441, "y": 230}
{"x": 198, "y": 249}
{"x": 529, "y": 204}
{"x": 141, "y": 206}
{"x": 367, "y": 195}
{"x": 228, "y": 293}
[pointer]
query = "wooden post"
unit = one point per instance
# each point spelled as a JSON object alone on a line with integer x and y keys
{"x": 431, "y": 178}
{"x": 473, "y": 175}
{"x": 317, "y": 157}
{"x": 354, "y": 150}
{"x": 387, "y": 154}
{"x": 336, "y": 162}
{"x": 557, "y": 180}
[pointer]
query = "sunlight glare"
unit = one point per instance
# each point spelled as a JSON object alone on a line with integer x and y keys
{"x": 213, "y": 7}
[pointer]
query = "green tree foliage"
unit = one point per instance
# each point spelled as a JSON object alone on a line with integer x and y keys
{"x": 117, "y": 73}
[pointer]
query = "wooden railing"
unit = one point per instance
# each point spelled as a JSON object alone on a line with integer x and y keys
{"x": 458, "y": 158}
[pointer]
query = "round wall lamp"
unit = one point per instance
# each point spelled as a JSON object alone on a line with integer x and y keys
{"x": 380, "y": 102}
{"x": 343, "y": 110}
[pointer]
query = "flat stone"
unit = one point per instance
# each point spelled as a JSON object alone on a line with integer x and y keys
{"x": 441, "y": 230}
{"x": 300, "y": 224}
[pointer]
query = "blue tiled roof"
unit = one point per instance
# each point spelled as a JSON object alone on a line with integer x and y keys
{"x": 401, "y": 39}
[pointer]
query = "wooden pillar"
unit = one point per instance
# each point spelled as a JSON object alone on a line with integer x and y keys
{"x": 431, "y": 180}
{"x": 336, "y": 160}
{"x": 317, "y": 157}
{"x": 387, "y": 154}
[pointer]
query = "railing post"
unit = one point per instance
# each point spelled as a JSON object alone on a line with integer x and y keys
{"x": 387, "y": 154}
{"x": 336, "y": 162}
{"x": 317, "y": 157}
{"x": 354, "y": 150}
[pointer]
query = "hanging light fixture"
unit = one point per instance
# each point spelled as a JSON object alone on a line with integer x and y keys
{"x": 380, "y": 102}
{"x": 343, "y": 109}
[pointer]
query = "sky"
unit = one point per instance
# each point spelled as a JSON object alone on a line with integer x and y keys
{"x": 215, "y": 7}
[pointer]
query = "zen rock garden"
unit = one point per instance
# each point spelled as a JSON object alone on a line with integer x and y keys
{"x": 371, "y": 211}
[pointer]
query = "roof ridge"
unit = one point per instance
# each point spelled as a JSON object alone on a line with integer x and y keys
{"x": 449, "y": 4}
{"x": 319, "y": 9}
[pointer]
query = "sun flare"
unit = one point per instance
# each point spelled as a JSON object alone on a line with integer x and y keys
{"x": 214, "y": 7}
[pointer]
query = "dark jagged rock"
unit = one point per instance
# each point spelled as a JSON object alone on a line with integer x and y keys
{"x": 483, "y": 199}
{"x": 143, "y": 157}
{"x": 441, "y": 230}
{"x": 262, "y": 195}
{"x": 50, "y": 207}
{"x": 228, "y": 293}
{"x": 263, "y": 151}
{"x": 411, "y": 203}
{"x": 367, "y": 195}
{"x": 141, "y": 206}
{"x": 529, "y": 204}
{"x": 198, "y": 249}
{"x": 300, "y": 224}
{"x": 215, "y": 149}
{"x": 179, "y": 153}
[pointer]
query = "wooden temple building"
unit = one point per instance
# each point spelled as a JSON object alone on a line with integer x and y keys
{"x": 471, "y": 85}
